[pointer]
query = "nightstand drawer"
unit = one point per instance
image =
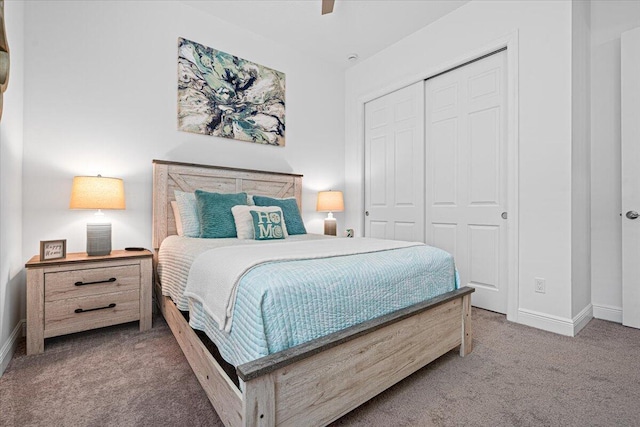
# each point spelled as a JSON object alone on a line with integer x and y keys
{"x": 83, "y": 313}
{"x": 92, "y": 281}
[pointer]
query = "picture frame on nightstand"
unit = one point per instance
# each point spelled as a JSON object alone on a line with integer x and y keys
{"x": 53, "y": 249}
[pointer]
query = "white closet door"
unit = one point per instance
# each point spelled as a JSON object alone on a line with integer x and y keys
{"x": 466, "y": 168}
{"x": 630, "y": 46}
{"x": 394, "y": 165}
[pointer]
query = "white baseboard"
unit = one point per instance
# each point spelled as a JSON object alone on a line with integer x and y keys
{"x": 607, "y": 312}
{"x": 582, "y": 318}
{"x": 9, "y": 347}
{"x": 556, "y": 324}
{"x": 547, "y": 322}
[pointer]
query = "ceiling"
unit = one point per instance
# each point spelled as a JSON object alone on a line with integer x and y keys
{"x": 355, "y": 26}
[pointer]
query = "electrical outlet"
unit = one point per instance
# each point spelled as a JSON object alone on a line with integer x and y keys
{"x": 539, "y": 285}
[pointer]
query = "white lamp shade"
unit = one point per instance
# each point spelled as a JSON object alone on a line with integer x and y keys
{"x": 97, "y": 192}
{"x": 330, "y": 201}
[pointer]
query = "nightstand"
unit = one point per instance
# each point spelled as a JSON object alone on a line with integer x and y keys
{"x": 82, "y": 292}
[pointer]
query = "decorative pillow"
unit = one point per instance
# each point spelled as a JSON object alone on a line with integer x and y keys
{"x": 267, "y": 225}
{"x": 290, "y": 210}
{"x": 176, "y": 215}
{"x": 214, "y": 213}
{"x": 244, "y": 221}
{"x": 188, "y": 213}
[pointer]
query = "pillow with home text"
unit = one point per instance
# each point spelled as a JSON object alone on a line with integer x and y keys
{"x": 244, "y": 220}
{"x": 290, "y": 212}
{"x": 267, "y": 224}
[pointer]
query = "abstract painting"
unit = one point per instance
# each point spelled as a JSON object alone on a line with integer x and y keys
{"x": 222, "y": 95}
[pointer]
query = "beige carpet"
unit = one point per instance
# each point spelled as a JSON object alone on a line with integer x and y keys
{"x": 516, "y": 376}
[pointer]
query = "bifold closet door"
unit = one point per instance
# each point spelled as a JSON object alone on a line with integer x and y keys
{"x": 394, "y": 165}
{"x": 466, "y": 169}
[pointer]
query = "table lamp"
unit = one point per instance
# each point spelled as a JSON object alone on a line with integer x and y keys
{"x": 330, "y": 201}
{"x": 97, "y": 192}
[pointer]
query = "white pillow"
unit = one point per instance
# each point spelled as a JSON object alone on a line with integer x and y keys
{"x": 188, "y": 213}
{"x": 176, "y": 215}
{"x": 244, "y": 221}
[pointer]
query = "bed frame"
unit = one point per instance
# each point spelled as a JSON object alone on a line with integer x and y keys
{"x": 317, "y": 382}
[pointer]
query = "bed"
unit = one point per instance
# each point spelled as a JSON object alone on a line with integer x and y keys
{"x": 315, "y": 382}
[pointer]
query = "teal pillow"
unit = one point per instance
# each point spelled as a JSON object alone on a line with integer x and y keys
{"x": 289, "y": 207}
{"x": 188, "y": 213}
{"x": 267, "y": 225}
{"x": 214, "y": 213}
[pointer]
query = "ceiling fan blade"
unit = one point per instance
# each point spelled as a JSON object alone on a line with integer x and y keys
{"x": 327, "y": 6}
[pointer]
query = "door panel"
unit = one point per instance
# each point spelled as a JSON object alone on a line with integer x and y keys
{"x": 484, "y": 252}
{"x": 394, "y": 165}
{"x": 378, "y": 175}
{"x": 405, "y": 109}
{"x": 405, "y": 173}
{"x": 378, "y": 229}
{"x": 443, "y": 172}
{"x": 445, "y": 97}
{"x": 484, "y": 161}
{"x": 379, "y": 117}
{"x": 484, "y": 84}
{"x": 466, "y": 160}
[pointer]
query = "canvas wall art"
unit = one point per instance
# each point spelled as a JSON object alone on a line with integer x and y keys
{"x": 222, "y": 95}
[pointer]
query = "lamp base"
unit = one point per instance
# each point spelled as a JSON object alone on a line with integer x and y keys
{"x": 98, "y": 239}
{"x": 330, "y": 228}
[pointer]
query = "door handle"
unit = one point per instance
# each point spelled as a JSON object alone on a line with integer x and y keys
{"x": 632, "y": 215}
{"x": 366, "y": 213}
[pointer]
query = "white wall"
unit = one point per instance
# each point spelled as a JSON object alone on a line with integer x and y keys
{"x": 580, "y": 162}
{"x": 101, "y": 98}
{"x": 609, "y": 19}
{"x": 544, "y": 110}
{"x": 11, "y": 141}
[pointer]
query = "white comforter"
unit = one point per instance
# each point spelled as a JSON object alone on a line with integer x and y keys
{"x": 214, "y": 275}
{"x": 178, "y": 253}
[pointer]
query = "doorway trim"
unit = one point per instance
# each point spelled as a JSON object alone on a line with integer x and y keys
{"x": 510, "y": 42}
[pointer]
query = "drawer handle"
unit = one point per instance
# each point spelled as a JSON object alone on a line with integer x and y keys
{"x": 80, "y": 310}
{"x": 113, "y": 279}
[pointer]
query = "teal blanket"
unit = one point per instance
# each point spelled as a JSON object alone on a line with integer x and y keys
{"x": 283, "y": 304}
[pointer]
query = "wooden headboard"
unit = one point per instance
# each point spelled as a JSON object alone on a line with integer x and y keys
{"x": 170, "y": 176}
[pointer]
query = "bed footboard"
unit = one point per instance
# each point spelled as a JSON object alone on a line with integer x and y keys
{"x": 318, "y": 382}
